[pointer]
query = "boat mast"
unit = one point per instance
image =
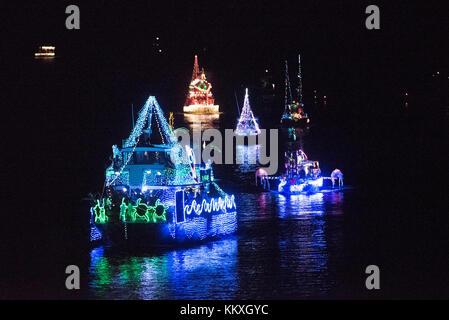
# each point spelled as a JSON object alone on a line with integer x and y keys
{"x": 299, "y": 89}
{"x": 195, "y": 74}
{"x": 288, "y": 90}
{"x": 237, "y": 102}
{"x": 196, "y": 69}
{"x": 132, "y": 113}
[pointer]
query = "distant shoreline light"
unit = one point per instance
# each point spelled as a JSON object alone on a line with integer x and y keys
{"x": 44, "y": 54}
{"x": 46, "y": 51}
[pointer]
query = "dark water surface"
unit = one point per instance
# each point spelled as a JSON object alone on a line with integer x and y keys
{"x": 286, "y": 247}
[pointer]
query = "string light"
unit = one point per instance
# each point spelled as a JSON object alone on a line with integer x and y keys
{"x": 151, "y": 105}
{"x": 191, "y": 157}
{"x": 299, "y": 89}
{"x": 222, "y": 224}
{"x": 95, "y": 233}
{"x": 159, "y": 128}
{"x": 100, "y": 212}
{"x": 217, "y": 205}
{"x": 281, "y": 185}
{"x": 196, "y": 228}
{"x": 199, "y": 98}
{"x": 294, "y": 110}
{"x": 124, "y": 166}
{"x": 317, "y": 183}
{"x": 297, "y": 187}
{"x": 141, "y": 120}
{"x": 141, "y": 212}
{"x": 247, "y": 124}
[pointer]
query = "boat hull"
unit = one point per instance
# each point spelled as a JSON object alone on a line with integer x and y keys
{"x": 193, "y": 229}
{"x": 202, "y": 109}
{"x": 297, "y": 186}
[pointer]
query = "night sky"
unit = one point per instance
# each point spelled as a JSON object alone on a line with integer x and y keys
{"x": 236, "y": 41}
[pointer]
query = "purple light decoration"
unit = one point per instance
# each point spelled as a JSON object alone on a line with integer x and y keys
{"x": 247, "y": 124}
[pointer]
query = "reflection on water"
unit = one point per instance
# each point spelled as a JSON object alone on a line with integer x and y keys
{"x": 286, "y": 247}
{"x": 247, "y": 158}
{"x": 301, "y": 205}
{"x": 206, "y": 121}
{"x": 196, "y": 273}
{"x": 305, "y": 244}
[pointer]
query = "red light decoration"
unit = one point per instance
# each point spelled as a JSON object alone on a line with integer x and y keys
{"x": 200, "y": 98}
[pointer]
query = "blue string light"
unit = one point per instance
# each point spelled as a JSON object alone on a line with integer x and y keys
{"x": 217, "y": 205}
{"x": 144, "y": 117}
{"x": 223, "y": 224}
{"x": 196, "y": 228}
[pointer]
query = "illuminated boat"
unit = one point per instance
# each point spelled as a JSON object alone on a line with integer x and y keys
{"x": 247, "y": 124}
{"x": 294, "y": 114}
{"x": 45, "y": 52}
{"x": 200, "y": 99}
{"x": 301, "y": 176}
{"x": 156, "y": 194}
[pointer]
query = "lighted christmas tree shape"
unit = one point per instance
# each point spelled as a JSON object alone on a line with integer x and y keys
{"x": 196, "y": 69}
{"x": 200, "y": 99}
{"x": 294, "y": 110}
{"x": 247, "y": 124}
{"x": 143, "y": 124}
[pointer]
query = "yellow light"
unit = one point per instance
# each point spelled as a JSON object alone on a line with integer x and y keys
{"x": 44, "y": 54}
{"x": 201, "y": 109}
{"x": 45, "y": 51}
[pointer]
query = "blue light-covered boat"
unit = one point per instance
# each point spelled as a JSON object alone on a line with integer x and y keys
{"x": 301, "y": 176}
{"x": 149, "y": 199}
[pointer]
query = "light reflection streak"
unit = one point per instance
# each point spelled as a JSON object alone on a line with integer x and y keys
{"x": 206, "y": 121}
{"x": 171, "y": 275}
{"x": 247, "y": 158}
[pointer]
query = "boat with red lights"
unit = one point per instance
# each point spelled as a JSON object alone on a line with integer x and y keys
{"x": 200, "y": 99}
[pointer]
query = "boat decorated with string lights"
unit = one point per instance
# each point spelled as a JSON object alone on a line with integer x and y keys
{"x": 200, "y": 99}
{"x": 155, "y": 193}
{"x": 294, "y": 114}
{"x": 247, "y": 124}
{"x": 301, "y": 176}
